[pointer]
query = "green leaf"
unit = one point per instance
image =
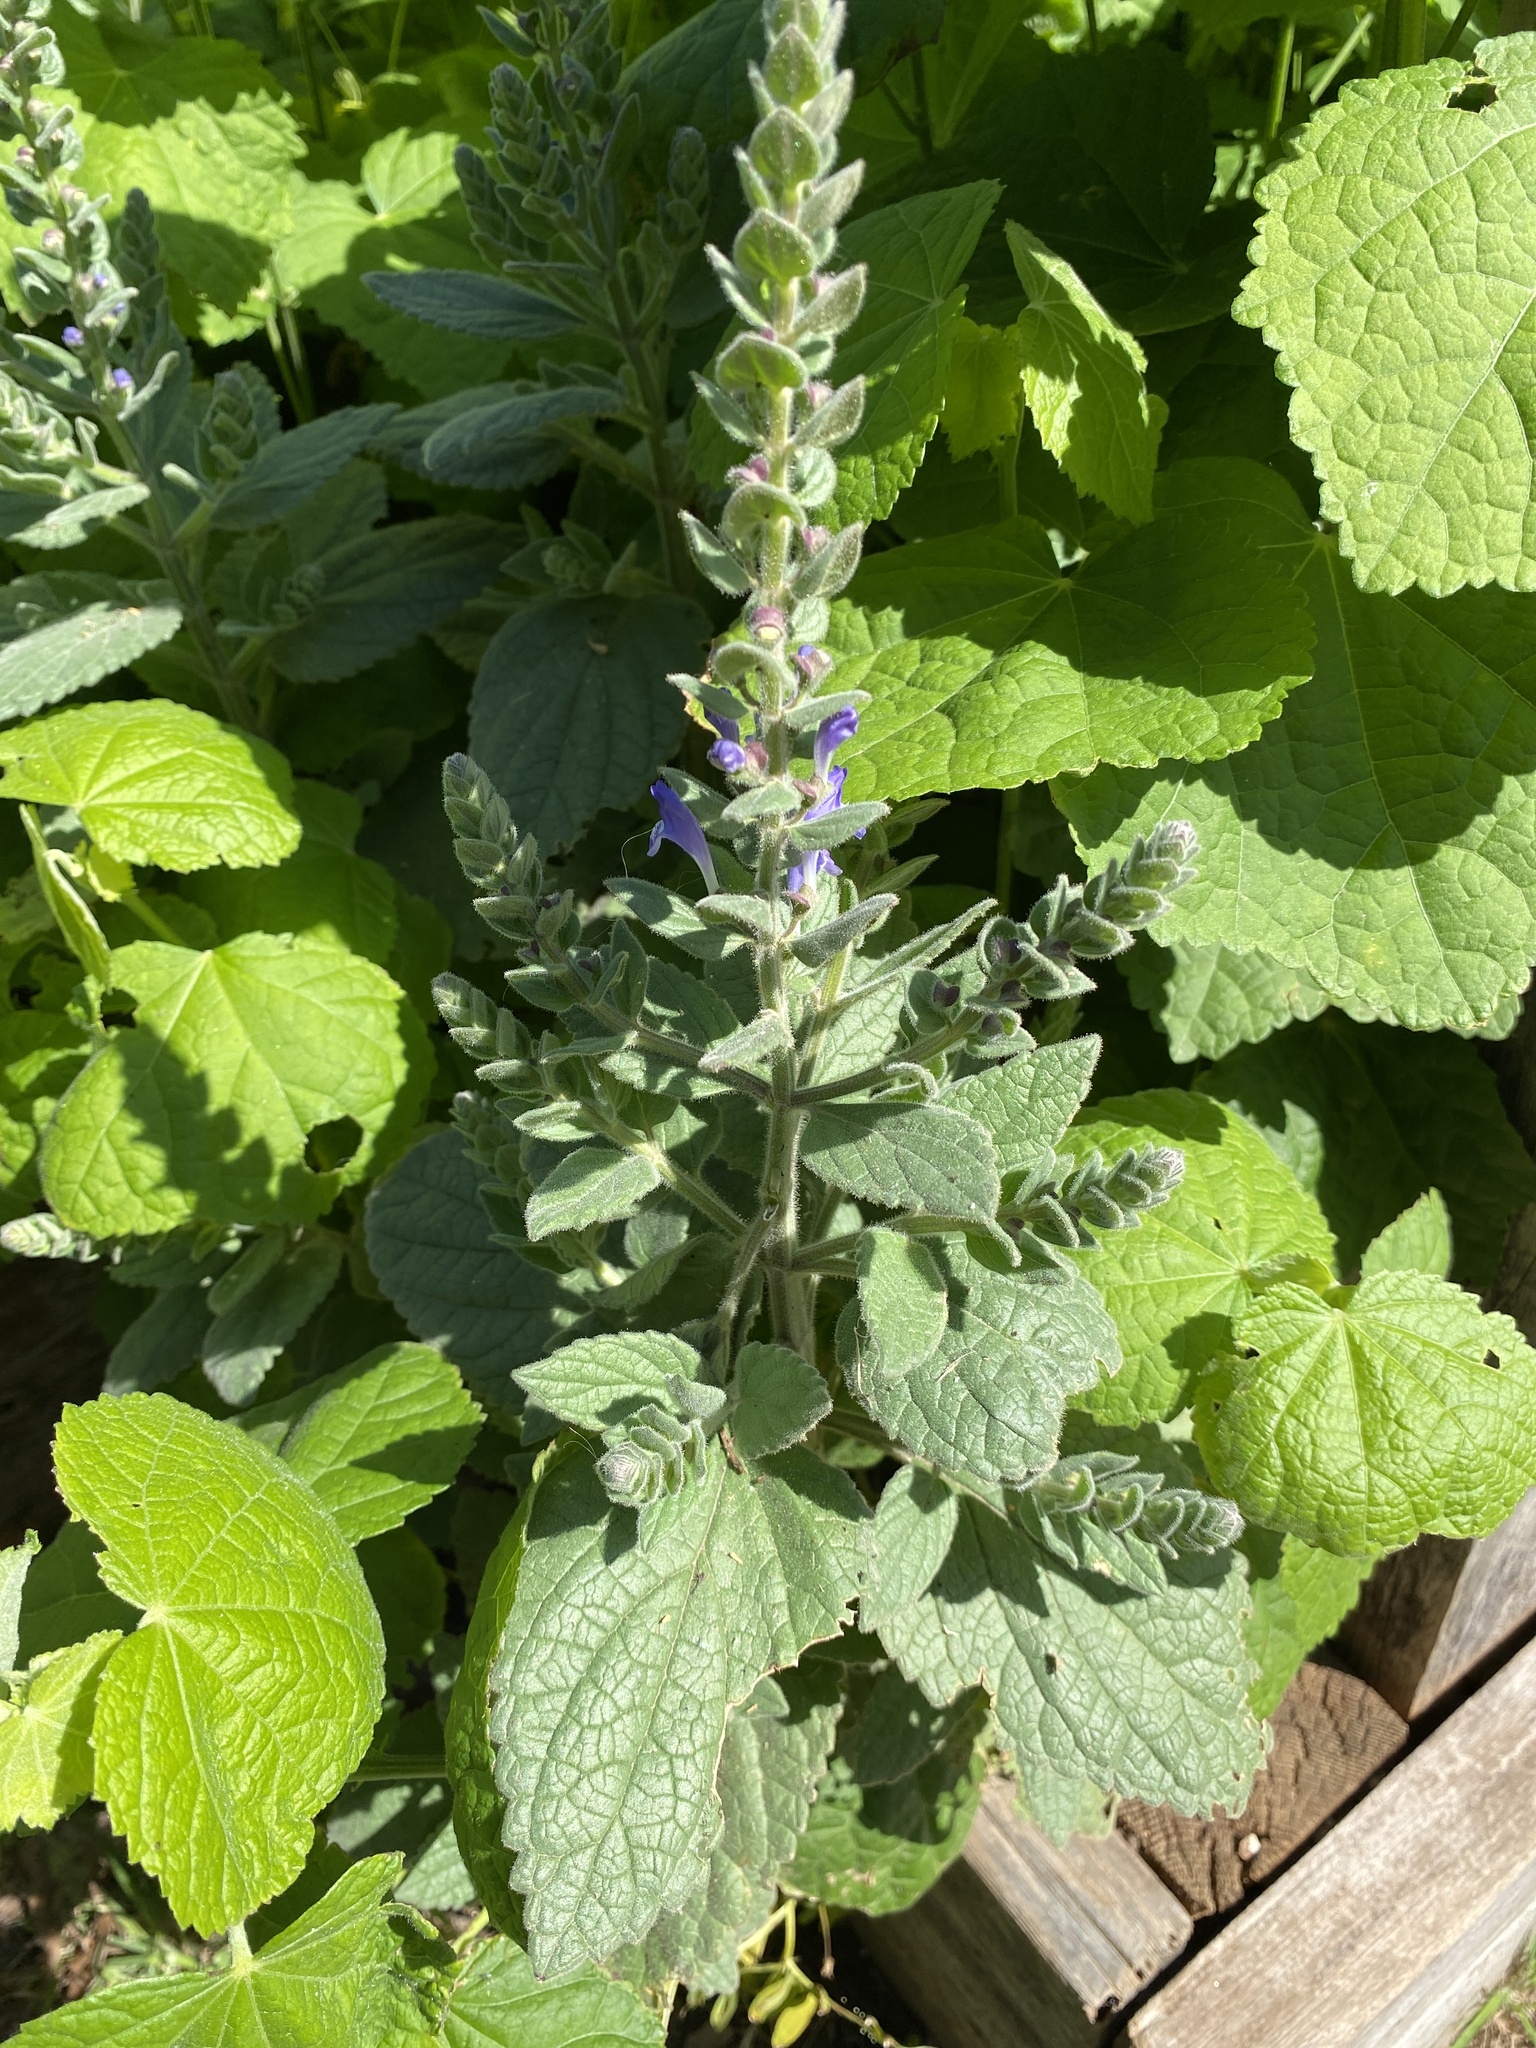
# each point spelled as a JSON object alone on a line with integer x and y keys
{"x": 376, "y": 1440}
{"x": 383, "y": 590}
{"x": 1143, "y": 1693}
{"x": 67, "y": 631}
{"x": 987, "y": 1403}
{"x": 984, "y": 394}
{"x": 1181, "y": 638}
{"x": 1299, "y": 1595}
{"x": 774, "y": 1753}
{"x": 1369, "y": 1118}
{"x": 490, "y": 308}
{"x": 1378, "y": 834}
{"x": 593, "y": 1184}
{"x": 429, "y": 1243}
{"x": 242, "y": 1342}
{"x": 246, "y": 1694}
{"x": 1418, "y": 1241}
{"x": 572, "y": 712}
{"x": 329, "y": 1977}
{"x": 64, "y": 1600}
{"x": 158, "y": 783}
{"x": 910, "y": 1156}
{"x": 618, "y": 1667}
{"x": 902, "y": 341}
{"x": 1173, "y": 1285}
{"x": 409, "y": 1590}
{"x": 235, "y": 1057}
{"x": 477, "y": 1804}
{"x": 1361, "y": 1419}
{"x": 495, "y": 2001}
{"x": 1026, "y": 1103}
{"x": 323, "y": 889}
{"x": 1412, "y": 407}
{"x": 780, "y": 1399}
{"x": 880, "y": 1835}
{"x": 161, "y": 1343}
{"x": 46, "y": 1766}
{"x": 14, "y": 1566}
{"x": 909, "y": 1542}
{"x": 902, "y": 1298}
{"x": 1085, "y": 382}
{"x": 1208, "y": 999}
{"x": 291, "y": 467}
{"x": 599, "y": 1381}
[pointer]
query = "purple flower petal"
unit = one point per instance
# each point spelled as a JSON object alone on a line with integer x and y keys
{"x": 830, "y": 735}
{"x": 678, "y": 824}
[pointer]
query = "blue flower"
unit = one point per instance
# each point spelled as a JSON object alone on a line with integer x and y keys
{"x": 678, "y": 824}
{"x": 803, "y": 874}
{"x": 727, "y": 754}
{"x": 830, "y": 735}
{"x": 72, "y": 338}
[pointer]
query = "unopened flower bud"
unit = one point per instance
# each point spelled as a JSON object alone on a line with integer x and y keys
{"x": 122, "y": 380}
{"x": 72, "y": 338}
{"x": 815, "y": 538}
{"x": 768, "y": 622}
{"x": 729, "y": 756}
{"x": 53, "y": 240}
{"x": 944, "y": 994}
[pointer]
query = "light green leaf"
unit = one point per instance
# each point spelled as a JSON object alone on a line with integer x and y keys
{"x": 1180, "y": 638}
{"x": 324, "y": 889}
{"x": 913, "y": 1529}
{"x": 593, "y": 1184}
{"x": 496, "y": 2002}
{"x": 780, "y": 1399}
{"x": 477, "y": 1804}
{"x": 1085, "y": 382}
{"x": 408, "y": 1588}
{"x": 917, "y": 251}
{"x": 1142, "y": 1693}
{"x": 1411, "y": 399}
{"x": 1380, "y": 832}
{"x": 46, "y": 1766}
{"x": 1299, "y": 1596}
{"x": 984, "y": 393}
{"x": 429, "y": 1242}
{"x": 902, "y": 1298}
{"x": 1173, "y": 1285}
{"x": 1208, "y": 999}
{"x": 1361, "y": 1419}
{"x": 910, "y": 1156}
{"x": 64, "y": 1600}
{"x": 599, "y": 1381}
{"x": 879, "y": 1836}
{"x": 236, "y": 1056}
{"x": 158, "y": 783}
{"x": 291, "y": 467}
{"x": 1368, "y": 1118}
{"x": 241, "y": 1344}
{"x": 1418, "y": 1241}
{"x": 14, "y": 1566}
{"x": 572, "y": 712}
{"x": 246, "y": 1694}
{"x": 376, "y": 1440}
{"x": 987, "y": 1404}
{"x": 775, "y": 1750}
{"x": 618, "y": 1667}
{"x": 383, "y": 590}
{"x": 1026, "y": 1103}
{"x": 330, "y": 1977}
{"x": 67, "y": 631}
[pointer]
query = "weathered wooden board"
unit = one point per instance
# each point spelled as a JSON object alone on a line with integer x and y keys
{"x": 1392, "y": 1928}
{"x": 1024, "y": 1945}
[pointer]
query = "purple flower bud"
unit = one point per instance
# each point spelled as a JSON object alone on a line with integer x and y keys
{"x": 944, "y": 994}
{"x": 817, "y": 393}
{"x": 812, "y": 663}
{"x": 820, "y": 862}
{"x": 101, "y": 280}
{"x": 753, "y": 472}
{"x": 678, "y": 824}
{"x": 767, "y": 622}
{"x": 122, "y": 380}
{"x": 53, "y": 240}
{"x": 757, "y": 756}
{"x": 729, "y": 756}
{"x": 815, "y": 538}
{"x": 72, "y": 338}
{"x": 831, "y": 734}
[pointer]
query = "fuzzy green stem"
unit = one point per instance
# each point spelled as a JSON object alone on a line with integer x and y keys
{"x": 1279, "y": 81}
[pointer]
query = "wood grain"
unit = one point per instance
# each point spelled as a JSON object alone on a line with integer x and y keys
{"x": 1389, "y": 1931}
{"x": 1028, "y": 1944}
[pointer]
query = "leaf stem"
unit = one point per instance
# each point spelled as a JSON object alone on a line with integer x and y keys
{"x": 1279, "y": 82}
{"x": 383, "y": 1770}
{"x": 1457, "y": 29}
{"x": 1347, "y": 49}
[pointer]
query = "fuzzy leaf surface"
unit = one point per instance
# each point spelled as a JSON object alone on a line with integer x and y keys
{"x": 1142, "y": 1693}
{"x": 1208, "y": 999}
{"x": 620, "y": 1662}
{"x": 235, "y": 1057}
{"x": 1026, "y": 1103}
{"x": 246, "y": 1694}
{"x": 471, "y": 1759}
{"x": 908, "y": 1156}
{"x": 495, "y": 2001}
{"x": 1418, "y": 1241}
{"x": 599, "y": 1381}
{"x": 91, "y": 627}
{"x": 1173, "y": 1285}
{"x": 158, "y": 783}
{"x": 1359, "y": 1420}
{"x": 593, "y": 1184}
